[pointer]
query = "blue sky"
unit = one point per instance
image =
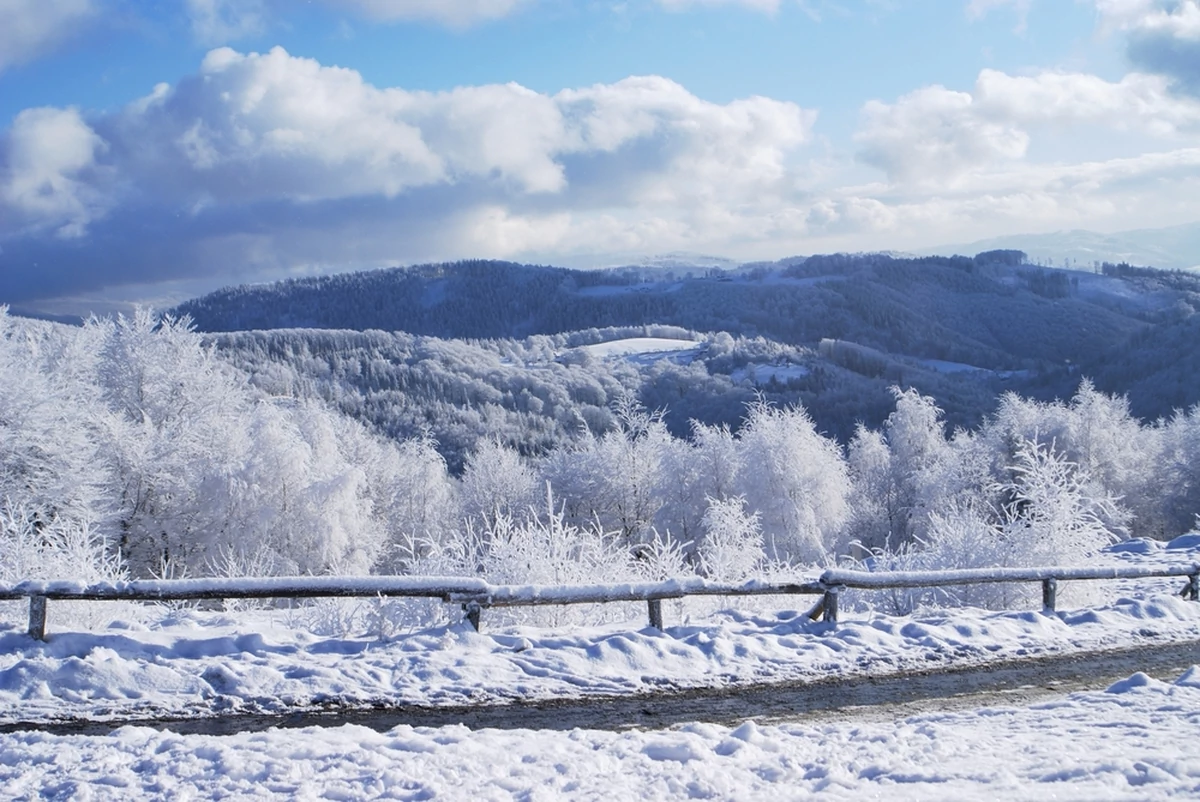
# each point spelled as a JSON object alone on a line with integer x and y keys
{"x": 157, "y": 149}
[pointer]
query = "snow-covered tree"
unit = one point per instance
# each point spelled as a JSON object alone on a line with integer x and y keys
{"x": 732, "y": 549}
{"x": 795, "y": 480}
{"x": 497, "y": 481}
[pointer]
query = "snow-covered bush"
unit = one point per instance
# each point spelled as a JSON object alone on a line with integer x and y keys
{"x": 617, "y": 479}
{"x": 1050, "y": 514}
{"x": 34, "y": 545}
{"x": 497, "y": 481}
{"x": 732, "y": 549}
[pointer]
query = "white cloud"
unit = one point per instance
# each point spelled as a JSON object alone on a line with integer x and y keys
{"x": 29, "y": 28}
{"x": 456, "y": 13}
{"x": 1164, "y": 36}
{"x": 706, "y": 151}
{"x": 43, "y": 183}
{"x": 273, "y": 126}
{"x": 1136, "y": 102}
{"x": 936, "y": 134}
{"x": 274, "y": 161}
{"x": 270, "y": 125}
{"x": 269, "y": 162}
{"x": 222, "y": 21}
{"x": 1174, "y": 17}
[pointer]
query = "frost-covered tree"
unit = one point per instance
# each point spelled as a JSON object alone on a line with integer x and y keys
{"x": 496, "y": 482}
{"x": 616, "y": 479}
{"x": 732, "y": 549}
{"x": 1178, "y": 474}
{"x": 51, "y": 464}
{"x": 1095, "y": 432}
{"x": 901, "y": 474}
{"x": 1052, "y": 512}
{"x": 796, "y": 480}
{"x": 878, "y": 519}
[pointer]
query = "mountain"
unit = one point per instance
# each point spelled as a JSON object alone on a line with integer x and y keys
{"x": 535, "y": 355}
{"x": 1174, "y": 248}
{"x": 991, "y": 311}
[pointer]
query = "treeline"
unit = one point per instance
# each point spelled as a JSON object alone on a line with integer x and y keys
{"x": 547, "y": 391}
{"x": 984, "y": 311}
{"x": 130, "y": 446}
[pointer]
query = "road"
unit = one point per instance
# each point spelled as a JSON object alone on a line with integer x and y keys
{"x": 1003, "y": 683}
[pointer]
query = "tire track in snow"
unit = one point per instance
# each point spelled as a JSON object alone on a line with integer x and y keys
{"x": 998, "y": 684}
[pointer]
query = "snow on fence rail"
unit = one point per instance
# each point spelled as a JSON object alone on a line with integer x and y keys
{"x": 475, "y": 595}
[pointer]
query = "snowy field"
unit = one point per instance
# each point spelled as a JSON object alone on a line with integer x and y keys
{"x": 641, "y": 349}
{"x": 759, "y": 374}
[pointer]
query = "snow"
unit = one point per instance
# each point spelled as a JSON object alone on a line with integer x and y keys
{"x": 942, "y": 366}
{"x": 196, "y": 663}
{"x": 610, "y": 290}
{"x": 640, "y": 348}
{"x": 1130, "y": 741}
{"x": 760, "y": 374}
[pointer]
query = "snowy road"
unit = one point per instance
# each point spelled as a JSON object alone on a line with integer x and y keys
{"x": 1007, "y": 682}
{"x": 1129, "y": 741}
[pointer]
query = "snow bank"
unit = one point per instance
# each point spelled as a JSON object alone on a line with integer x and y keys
{"x": 258, "y": 661}
{"x": 204, "y": 663}
{"x": 1129, "y": 742}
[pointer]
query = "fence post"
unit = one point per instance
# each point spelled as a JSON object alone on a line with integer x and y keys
{"x": 474, "y": 611}
{"x": 1049, "y": 593}
{"x": 655, "y": 608}
{"x": 37, "y": 617}
{"x": 830, "y": 606}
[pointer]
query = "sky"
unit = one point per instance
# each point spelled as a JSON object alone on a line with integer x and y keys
{"x": 153, "y": 151}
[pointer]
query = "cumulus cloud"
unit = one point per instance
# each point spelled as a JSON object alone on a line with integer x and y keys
{"x": 29, "y": 28}
{"x": 262, "y": 165}
{"x": 1137, "y": 102}
{"x": 261, "y": 126}
{"x": 935, "y": 134}
{"x": 1164, "y": 36}
{"x": 49, "y": 157}
{"x": 255, "y": 146}
{"x": 273, "y": 125}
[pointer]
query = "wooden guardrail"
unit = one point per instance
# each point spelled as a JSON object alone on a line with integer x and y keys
{"x": 476, "y": 595}
{"x": 836, "y": 579}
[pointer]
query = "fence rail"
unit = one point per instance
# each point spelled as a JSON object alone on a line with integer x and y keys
{"x": 476, "y": 595}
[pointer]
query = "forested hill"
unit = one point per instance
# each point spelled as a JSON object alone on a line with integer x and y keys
{"x": 990, "y": 311}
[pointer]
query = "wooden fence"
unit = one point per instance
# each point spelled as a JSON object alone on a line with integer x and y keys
{"x": 476, "y": 595}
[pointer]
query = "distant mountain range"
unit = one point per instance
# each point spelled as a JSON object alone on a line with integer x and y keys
{"x": 1174, "y": 248}
{"x": 830, "y": 332}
